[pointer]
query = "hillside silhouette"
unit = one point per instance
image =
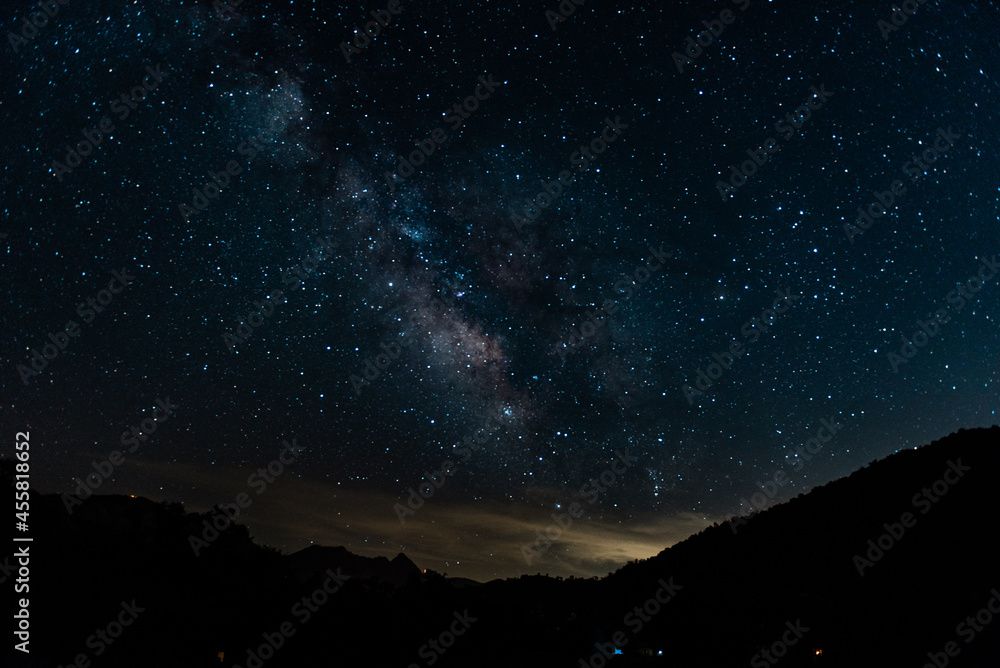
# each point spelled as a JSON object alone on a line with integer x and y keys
{"x": 732, "y": 590}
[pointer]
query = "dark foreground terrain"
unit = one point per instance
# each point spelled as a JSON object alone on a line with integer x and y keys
{"x": 795, "y": 580}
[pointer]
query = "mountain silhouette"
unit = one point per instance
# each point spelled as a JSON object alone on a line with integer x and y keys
{"x": 315, "y": 560}
{"x": 882, "y": 568}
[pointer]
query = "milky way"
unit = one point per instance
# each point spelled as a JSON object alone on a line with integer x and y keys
{"x": 602, "y": 210}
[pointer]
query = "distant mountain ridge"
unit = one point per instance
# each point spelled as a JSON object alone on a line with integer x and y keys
{"x": 316, "y": 559}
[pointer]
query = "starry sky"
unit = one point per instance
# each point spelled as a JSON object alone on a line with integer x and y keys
{"x": 562, "y": 268}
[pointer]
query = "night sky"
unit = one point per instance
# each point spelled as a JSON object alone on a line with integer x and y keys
{"x": 579, "y": 332}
